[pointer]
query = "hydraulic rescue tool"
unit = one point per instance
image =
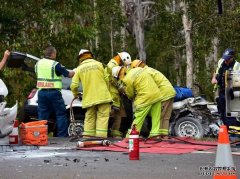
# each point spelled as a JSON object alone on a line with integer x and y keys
{"x": 81, "y": 144}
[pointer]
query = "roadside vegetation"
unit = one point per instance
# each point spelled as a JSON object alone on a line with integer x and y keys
{"x": 170, "y": 35}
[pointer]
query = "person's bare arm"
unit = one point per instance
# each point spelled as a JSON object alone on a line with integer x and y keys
{"x": 4, "y": 59}
{"x": 214, "y": 80}
{"x": 71, "y": 74}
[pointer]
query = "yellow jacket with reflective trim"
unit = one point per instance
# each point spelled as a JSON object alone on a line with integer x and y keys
{"x": 111, "y": 81}
{"x": 140, "y": 86}
{"x": 95, "y": 91}
{"x": 46, "y": 74}
{"x": 166, "y": 89}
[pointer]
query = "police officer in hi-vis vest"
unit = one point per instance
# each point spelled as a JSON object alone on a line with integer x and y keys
{"x": 227, "y": 62}
{"x": 49, "y": 83}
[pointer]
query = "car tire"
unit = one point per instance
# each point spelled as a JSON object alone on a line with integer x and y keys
{"x": 189, "y": 127}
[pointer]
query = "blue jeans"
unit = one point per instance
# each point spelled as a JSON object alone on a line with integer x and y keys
{"x": 50, "y": 100}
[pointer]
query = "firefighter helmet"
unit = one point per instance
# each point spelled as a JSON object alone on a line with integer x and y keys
{"x": 116, "y": 70}
{"x": 82, "y": 51}
{"x": 125, "y": 57}
{"x": 136, "y": 63}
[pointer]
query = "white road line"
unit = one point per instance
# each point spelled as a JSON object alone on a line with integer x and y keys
{"x": 55, "y": 148}
{"x": 213, "y": 152}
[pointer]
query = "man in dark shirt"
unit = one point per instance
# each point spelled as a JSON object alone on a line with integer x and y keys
{"x": 49, "y": 82}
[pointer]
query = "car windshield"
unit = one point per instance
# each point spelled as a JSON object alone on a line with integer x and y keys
{"x": 66, "y": 82}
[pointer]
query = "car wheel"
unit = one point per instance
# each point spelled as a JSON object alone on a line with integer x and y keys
{"x": 189, "y": 127}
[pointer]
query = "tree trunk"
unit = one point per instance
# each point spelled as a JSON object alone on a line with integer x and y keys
{"x": 187, "y": 24}
{"x": 95, "y": 23}
{"x": 135, "y": 13}
{"x": 208, "y": 60}
{"x": 215, "y": 43}
{"x": 177, "y": 67}
{"x": 212, "y": 59}
{"x": 111, "y": 37}
{"x": 123, "y": 31}
{"x": 139, "y": 30}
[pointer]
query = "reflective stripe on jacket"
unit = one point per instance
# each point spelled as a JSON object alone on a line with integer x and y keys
{"x": 46, "y": 74}
{"x": 95, "y": 91}
{"x": 166, "y": 89}
{"x": 141, "y": 87}
{"x": 219, "y": 65}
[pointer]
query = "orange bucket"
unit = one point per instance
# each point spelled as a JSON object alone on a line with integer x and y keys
{"x": 34, "y": 133}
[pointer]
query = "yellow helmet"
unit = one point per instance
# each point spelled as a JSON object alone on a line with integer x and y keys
{"x": 137, "y": 63}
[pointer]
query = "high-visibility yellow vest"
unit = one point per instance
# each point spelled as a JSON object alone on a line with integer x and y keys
{"x": 46, "y": 75}
{"x": 236, "y": 67}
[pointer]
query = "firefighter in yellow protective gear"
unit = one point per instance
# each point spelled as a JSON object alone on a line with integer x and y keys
{"x": 96, "y": 96}
{"x": 167, "y": 94}
{"x": 118, "y": 112}
{"x": 140, "y": 86}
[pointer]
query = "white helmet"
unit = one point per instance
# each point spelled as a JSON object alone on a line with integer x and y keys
{"x": 125, "y": 57}
{"x": 82, "y": 51}
{"x": 116, "y": 70}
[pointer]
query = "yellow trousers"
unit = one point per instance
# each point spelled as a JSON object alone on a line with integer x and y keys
{"x": 96, "y": 120}
{"x": 140, "y": 114}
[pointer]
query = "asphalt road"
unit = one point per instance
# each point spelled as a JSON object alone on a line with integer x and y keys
{"x": 59, "y": 160}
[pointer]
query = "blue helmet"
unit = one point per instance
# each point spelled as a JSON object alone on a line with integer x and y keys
{"x": 228, "y": 54}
